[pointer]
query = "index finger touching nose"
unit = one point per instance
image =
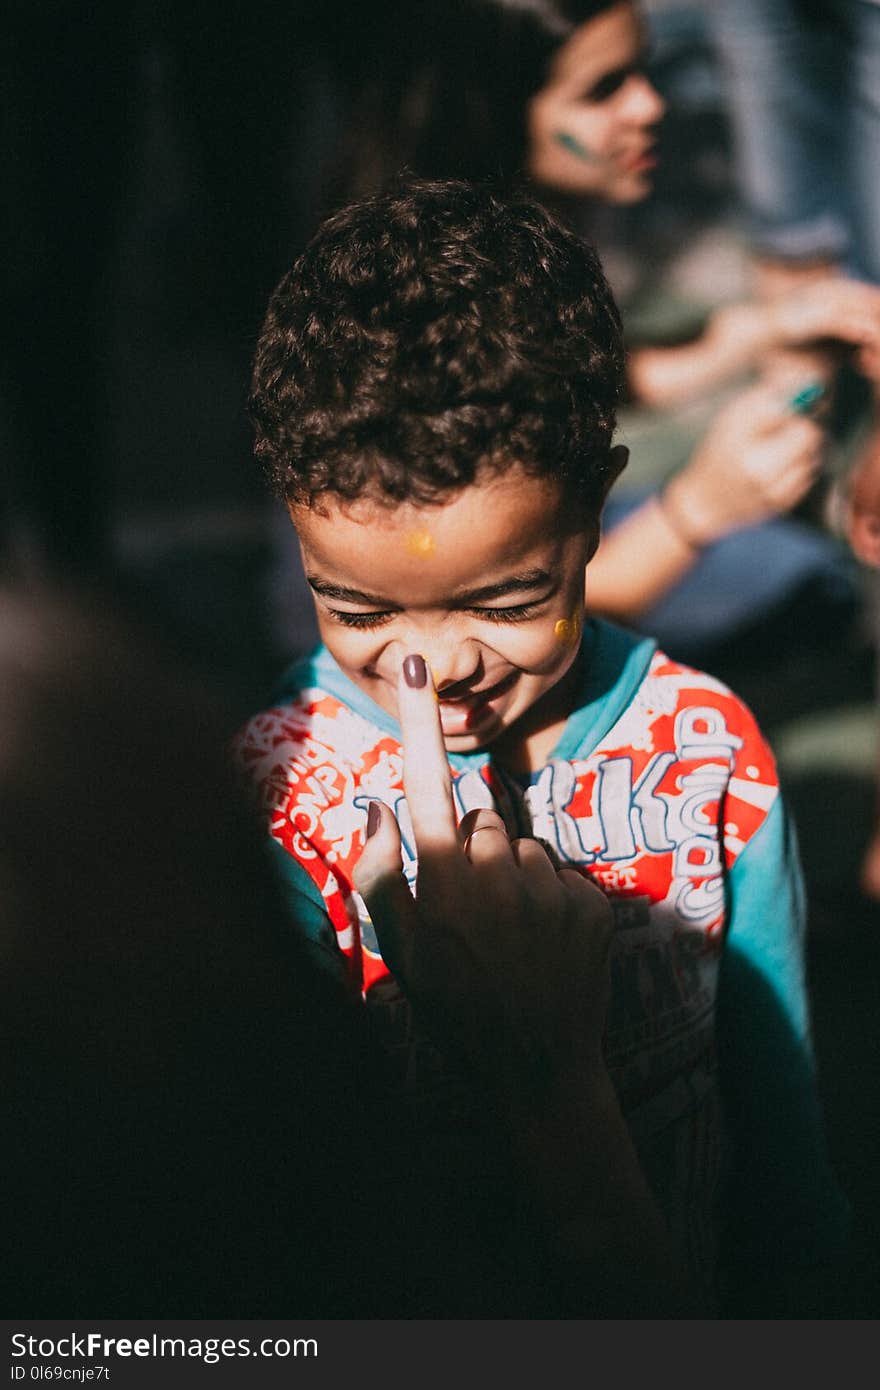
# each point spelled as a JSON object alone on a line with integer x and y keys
{"x": 426, "y": 777}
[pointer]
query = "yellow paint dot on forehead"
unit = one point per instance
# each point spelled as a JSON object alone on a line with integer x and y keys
{"x": 419, "y": 543}
{"x": 567, "y": 630}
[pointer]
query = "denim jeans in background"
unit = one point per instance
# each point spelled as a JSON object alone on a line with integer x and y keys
{"x": 803, "y": 88}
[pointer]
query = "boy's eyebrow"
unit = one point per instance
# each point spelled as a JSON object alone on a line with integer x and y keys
{"x": 515, "y": 583}
{"x": 340, "y": 592}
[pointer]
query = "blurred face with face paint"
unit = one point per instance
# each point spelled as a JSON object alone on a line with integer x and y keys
{"x": 591, "y": 127}
{"x": 553, "y": 90}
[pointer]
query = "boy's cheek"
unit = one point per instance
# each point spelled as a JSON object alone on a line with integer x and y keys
{"x": 372, "y": 664}
{"x": 545, "y": 649}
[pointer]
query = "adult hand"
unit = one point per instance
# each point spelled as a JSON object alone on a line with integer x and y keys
{"x": 504, "y": 957}
{"x": 758, "y": 459}
{"x": 506, "y": 960}
{"x": 833, "y": 307}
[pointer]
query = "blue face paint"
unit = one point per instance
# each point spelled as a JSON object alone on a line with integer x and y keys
{"x": 805, "y": 400}
{"x": 574, "y": 146}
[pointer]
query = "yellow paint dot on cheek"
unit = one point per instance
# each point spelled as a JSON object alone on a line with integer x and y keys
{"x": 419, "y": 543}
{"x": 567, "y": 630}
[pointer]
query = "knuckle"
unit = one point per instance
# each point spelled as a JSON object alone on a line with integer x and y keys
{"x": 481, "y": 818}
{"x": 534, "y": 848}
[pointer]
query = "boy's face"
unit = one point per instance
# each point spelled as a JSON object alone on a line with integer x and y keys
{"x": 591, "y": 126}
{"x": 488, "y": 586}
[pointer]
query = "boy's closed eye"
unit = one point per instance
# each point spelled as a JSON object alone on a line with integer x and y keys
{"x": 537, "y": 586}
{"x": 517, "y": 613}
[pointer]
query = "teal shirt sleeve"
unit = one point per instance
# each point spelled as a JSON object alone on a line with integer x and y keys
{"x": 307, "y": 912}
{"x": 782, "y": 1205}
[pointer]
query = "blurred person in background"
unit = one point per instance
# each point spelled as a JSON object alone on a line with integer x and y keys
{"x": 803, "y": 84}
{"x": 151, "y": 1000}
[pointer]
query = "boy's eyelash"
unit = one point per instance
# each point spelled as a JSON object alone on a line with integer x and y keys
{"x": 507, "y": 615}
{"x": 519, "y": 613}
{"x": 359, "y": 619}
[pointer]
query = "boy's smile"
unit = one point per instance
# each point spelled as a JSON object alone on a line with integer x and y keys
{"x": 488, "y": 586}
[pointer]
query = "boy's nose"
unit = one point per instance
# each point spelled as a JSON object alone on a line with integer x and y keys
{"x": 452, "y": 663}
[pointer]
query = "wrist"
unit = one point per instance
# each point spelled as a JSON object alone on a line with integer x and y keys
{"x": 684, "y": 517}
{"x": 564, "y": 1137}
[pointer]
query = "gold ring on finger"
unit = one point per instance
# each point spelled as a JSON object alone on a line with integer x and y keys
{"x": 498, "y": 829}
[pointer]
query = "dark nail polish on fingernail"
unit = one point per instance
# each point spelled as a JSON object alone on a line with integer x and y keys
{"x": 415, "y": 672}
{"x": 374, "y": 818}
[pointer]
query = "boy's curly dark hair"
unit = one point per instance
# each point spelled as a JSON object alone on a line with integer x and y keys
{"x": 431, "y": 332}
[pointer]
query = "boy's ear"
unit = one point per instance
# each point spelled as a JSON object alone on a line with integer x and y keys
{"x": 618, "y": 458}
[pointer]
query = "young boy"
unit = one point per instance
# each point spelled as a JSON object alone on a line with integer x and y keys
{"x": 434, "y": 396}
